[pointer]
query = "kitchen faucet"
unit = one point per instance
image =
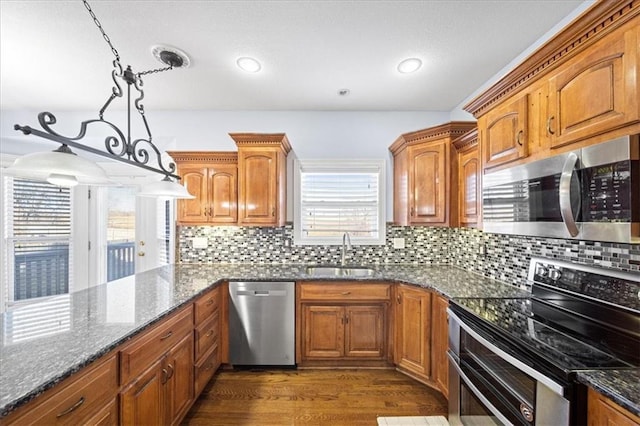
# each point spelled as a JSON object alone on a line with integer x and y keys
{"x": 346, "y": 240}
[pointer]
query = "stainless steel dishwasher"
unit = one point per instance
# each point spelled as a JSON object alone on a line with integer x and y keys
{"x": 262, "y": 323}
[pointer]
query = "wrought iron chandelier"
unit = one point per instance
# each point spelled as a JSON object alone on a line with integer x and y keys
{"x": 62, "y": 167}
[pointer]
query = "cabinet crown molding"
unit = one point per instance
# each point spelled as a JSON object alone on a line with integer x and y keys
{"x": 468, "y": 139}
{"x": 230, "y": 157}
{"x": 262, "y": 140}
{"x": 452, "y": 129}
{"x": 601, "y": 19}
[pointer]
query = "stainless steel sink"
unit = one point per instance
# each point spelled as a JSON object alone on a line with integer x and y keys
{"x": 340, "y": 271}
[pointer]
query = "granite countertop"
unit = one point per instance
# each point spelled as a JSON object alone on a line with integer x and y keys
{"x": 621, "y": 386}
{"x": 73, "y": 330}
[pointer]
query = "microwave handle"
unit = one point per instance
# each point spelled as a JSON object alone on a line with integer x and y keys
{"x": 568, "y": 170}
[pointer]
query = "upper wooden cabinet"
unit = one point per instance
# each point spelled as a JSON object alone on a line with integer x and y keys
{"x": 580, "y": 88}
{"x": 504, "y": 132}
{"x": 469, "y": 177}
{"x": 212, "y": 178}
{"x": 597, "y": 90}
{"x": 262, "y": 178}
{"x": 422, "y": 175}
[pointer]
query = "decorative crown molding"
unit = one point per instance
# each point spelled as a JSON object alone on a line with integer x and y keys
{"x": 229, "y": 157}
{"x": 468, "y": 139}
{"x": 601, "y": 19}
{"x": 452, "y": 129}
{"x": 262, "y": 139}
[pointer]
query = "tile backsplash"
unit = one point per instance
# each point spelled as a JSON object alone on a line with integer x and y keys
{"x": 503, "y": 257}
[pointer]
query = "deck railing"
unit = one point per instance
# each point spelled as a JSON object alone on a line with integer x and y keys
{"x": 120, "y": 260}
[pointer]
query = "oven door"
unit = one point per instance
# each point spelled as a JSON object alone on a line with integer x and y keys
{"x": 489, "y": 386}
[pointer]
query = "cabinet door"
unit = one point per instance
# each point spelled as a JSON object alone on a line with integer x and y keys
{"x": 440, "y": 344}
{"x": 141, "y": 403}
{"x": 603, "y": 411}
{"x": 364, "y": 332}
{"x": 469, "y": 187}
{"x": 323, "y": 331}
{"x": 179, "y": 383}
{"x": 597, "y": 91}
{"x": 223, "y": 194}
{"x": 428, "y": 182}
{"x": 504, "y": 133}
{"x": 258, "y": 187}
{"x": 194, "y": 178}
{"x": 413, "y": 308}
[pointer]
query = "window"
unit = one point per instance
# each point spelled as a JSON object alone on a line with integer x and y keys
{"x": 38, "y": 239}
{"x": 333, "y": 197}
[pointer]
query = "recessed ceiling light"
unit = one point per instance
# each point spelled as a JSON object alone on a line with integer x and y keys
{"x": 409, "y": 65}
{"x": 248, "y": 64}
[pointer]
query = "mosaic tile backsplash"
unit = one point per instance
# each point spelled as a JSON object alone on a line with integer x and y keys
{"x": 502, "y": 257}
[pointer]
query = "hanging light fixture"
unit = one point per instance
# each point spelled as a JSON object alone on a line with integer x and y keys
{"x": 62, "y": 167}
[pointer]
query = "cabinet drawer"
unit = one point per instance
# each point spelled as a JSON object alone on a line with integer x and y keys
{"x": 206, "y": 305}
{"x": 207, "y": 334}
{"x": 206, "y": 368}
{"x": 79, "y": 401}
{"x": 345, "y": 291}
{"x": 136, "y": 356}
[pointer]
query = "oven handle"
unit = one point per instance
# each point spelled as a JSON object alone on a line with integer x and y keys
{"x": 476, "y": 392}
{"x": 553, "y": 386}
{"x": 568, "y": 170}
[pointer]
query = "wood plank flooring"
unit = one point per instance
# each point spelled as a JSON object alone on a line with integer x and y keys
{"x": 312, "y": 397}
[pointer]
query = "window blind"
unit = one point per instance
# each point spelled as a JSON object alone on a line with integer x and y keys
{"x": 336, "y": 202}
{"x": 39, "y": 228}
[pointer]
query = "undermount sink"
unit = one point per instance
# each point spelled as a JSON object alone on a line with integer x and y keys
{"x": 340, "y": 271}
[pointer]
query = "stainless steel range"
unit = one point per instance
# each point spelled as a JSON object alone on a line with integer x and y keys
{"x": 514, "y": 361}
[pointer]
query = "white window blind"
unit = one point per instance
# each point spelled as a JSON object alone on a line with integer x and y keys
{"x": 38, "y": 217}
{"x": 335, "y": 197}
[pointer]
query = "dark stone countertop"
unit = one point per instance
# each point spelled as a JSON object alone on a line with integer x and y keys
{"x": 621, "y": 386}
{"x": 86, "y": 324}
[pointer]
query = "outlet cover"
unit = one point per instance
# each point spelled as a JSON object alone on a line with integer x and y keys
{"x": 199, "y": 243}
{"x": 398, "y": 243}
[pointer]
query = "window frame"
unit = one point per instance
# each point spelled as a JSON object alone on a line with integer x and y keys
{"x": 337, "y": 166}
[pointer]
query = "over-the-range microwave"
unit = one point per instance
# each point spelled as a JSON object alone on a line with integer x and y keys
{"x": 591, "y": 193}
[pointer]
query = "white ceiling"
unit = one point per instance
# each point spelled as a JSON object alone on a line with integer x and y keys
{"x": 53, "y": 57}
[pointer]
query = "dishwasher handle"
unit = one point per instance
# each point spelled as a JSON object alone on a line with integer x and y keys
{"x": 261, "y": 293}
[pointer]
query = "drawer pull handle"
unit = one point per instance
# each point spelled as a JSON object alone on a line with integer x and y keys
{"x": 549, "y": 129}
{"x": 210, "y": 302}
{"x": 170, "y": 368}
{"x": 165, "y": 376}
{"x": 346, "y": 293}
{"x": 166, "y": 336}
{"x": 209, "y": 333}
{"x": 519, "y": 137}
{"x": 208, "y": 367}
{"x": 72, "y": 408}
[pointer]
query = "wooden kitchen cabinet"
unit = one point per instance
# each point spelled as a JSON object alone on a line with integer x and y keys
{"x": 413, "y": 332}
{"x": 598, "y": 90}
{"x": 440, "y": 343}
{"x": 603, "y": 411}
{"x": 580, "y": 88}
{"x": 207, "y": 337}
{"x": 262, "y": 178}
{"x": 87, "y": 397}
{"x": 422, "y": 175}
{"x": 504, "y": 134}
{"x": 342, "y": 324}
{"x": 157, "y": 371}
{"x": 212, "y": 177}
{"x": 469, "y": 175}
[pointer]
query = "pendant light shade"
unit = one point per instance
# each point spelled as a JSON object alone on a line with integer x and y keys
{"x": 60, "y": 167}
{"x": 166, "y": 188}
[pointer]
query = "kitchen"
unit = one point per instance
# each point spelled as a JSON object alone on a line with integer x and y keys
{"x": 504, "y": 257}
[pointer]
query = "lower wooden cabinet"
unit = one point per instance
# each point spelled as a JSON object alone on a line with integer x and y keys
{"x": 440, "y": 343}
{"x": 89, "y": 397}
{"x": 342, "y": 324}
{"x": 413, "y": 331}
{"x": 603, "y": 411}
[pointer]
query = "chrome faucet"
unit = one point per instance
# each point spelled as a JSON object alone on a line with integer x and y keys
{"x": 346, "y": 241}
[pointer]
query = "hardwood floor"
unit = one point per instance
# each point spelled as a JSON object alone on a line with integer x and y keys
{"x": 312, "y": 397}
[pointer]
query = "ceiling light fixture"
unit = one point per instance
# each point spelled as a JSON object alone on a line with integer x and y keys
{"x": 65, "y": 168}
{"x": 409, "y": 65}
{"x": 344, "y": 92}
{"x": 248, "y": 64}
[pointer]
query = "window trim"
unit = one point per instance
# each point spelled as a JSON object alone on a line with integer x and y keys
{"x": 336, "y": 165}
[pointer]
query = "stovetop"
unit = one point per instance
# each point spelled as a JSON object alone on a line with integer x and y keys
{"x": 514, "y": 326}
